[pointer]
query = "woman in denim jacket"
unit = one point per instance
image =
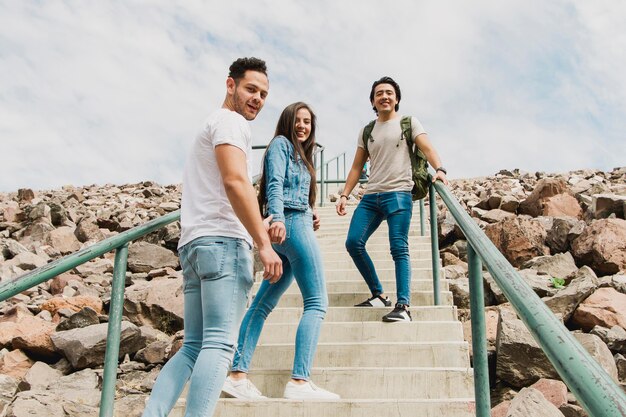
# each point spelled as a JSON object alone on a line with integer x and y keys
{"x": 287, "y": 193}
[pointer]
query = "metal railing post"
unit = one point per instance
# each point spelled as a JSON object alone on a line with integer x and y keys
{"x": 111, "y": 356}
{"x": 434, "y": 243}
{"x": 422, "y": 222}
{"x": 479, "y": 334}
{"x": 322, "y": 179}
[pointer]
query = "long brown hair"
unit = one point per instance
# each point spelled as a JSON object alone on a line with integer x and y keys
{"x": 286, "y": 127}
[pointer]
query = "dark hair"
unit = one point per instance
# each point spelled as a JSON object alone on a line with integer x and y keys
{"x": 386, "y": 80}
{"x": 238, "y": 68}
{"x": 286, "y": 127}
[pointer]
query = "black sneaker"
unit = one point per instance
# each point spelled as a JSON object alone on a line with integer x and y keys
{"x": 399, "y": 313}
{"x": 375, "y": 301}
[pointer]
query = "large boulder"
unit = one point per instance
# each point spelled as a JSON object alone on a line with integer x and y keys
{"x": 598, "y": 351}
{"x": 518, "y": 239}
{"x": 558, "y": 266}
{"x": 63, "y": 240}
{"x": 563, "y": 231}
{"x": 84, "y": 347}
{"x": 606, "y": 307}
{"x": 603, "y": 205}
{"x": 602, "y": 246}
{"x": 615, "y": 337}
{"x": 77, "y": 303}
{"x": 144, "y": 257}
{"x": 530, "y": 402}
{"x": 519, "y": 360}
{"x": 550, "y": 198}
{"x": 584, "y": 282}
{"x": 158, "y": 303}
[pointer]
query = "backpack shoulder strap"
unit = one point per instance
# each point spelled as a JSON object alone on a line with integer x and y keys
{"x": 367, "y": 134}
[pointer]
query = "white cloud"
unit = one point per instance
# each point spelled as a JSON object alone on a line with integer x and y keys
{"x": 110, "y": 92}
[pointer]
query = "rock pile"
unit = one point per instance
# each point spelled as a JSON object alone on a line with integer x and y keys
{"x": 566, "y": 234}
{"x": 53, "y": 336}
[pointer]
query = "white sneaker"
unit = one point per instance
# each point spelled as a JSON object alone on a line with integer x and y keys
{"x": 308, "y": 391}
{"x": 243, "y": 389}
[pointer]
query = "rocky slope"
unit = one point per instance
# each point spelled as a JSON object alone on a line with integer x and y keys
{"x": 566, "y": 233}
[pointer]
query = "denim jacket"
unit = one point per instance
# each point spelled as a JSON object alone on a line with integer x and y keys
{"x": 287, "y": 182}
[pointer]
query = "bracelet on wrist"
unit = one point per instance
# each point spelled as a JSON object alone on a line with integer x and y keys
{"x": 343, "y": 195}
{"x": 442, "y": 169}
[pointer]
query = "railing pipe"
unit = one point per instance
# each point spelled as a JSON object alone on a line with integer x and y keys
{"x": 51, "y": 270}
{"x": 434, "y": 244}
{"x": 598, "y": 394}
{"x": 422, "y": 222}
{"x": 111, "y": 356}
{"x": 479, "y": 334}
{"x": 322, "y": 179}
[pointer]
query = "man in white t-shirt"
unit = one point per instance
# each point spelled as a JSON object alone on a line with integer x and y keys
{"x": 220, "y": 220}
{"x": 388, "y": 196}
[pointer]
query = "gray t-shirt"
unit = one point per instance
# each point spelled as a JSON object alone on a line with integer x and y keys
{"x": 390, "y": 165}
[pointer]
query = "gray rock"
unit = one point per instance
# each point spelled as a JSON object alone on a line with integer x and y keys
{"x": 558, "y": 238}
{"x": 599, "y": 351}
{"x": 83, "y": 318}
{"x": 39, "y": 377}
{"x": 8, "y": 388}
{"x": 584, "y": 282}
{"x": 572, "y": 410}
{"x": 615, "y": 337}
{"x": 619, "y": 283}
{"x": 155, "y": 352}
{"x": 158, "y": 303}
{"x": 603, "y": 205}
{"x": 519, "y": 360}
{"x": 144, "y": 257}
{"x": 620, "y": 363}
{"x": 530, "y": 402}
{"x": 558, "y": 266}
{"x": 85, "y": 347}
{"x": 496, "y": 215}
{"x": 36, "y": 403}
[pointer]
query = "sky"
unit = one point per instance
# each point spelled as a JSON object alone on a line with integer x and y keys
{"x": 114, "y": 92}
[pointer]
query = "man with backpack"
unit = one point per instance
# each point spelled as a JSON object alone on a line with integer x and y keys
{"x": 398, "y": 148}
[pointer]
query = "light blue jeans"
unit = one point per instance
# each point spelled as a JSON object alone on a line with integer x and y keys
{"x": 397, "y": 208}
{"x": 217, "y": 277}
{"x": 301, "y": 259}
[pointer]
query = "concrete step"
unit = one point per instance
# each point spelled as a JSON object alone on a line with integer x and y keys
{"x": 375, "y": 383}
{"x": 418, "y": 298}
{"x": 360, "y": 286}
{"x": 352, "y": 314}
{"x": 372, "y": 331}
{"x": 383, "y": 274}
{"x": 339, "y": 247}
{"x": 375, "y": 253}
{"x": 340, "y": 241}
{"x": 458, "y": 407}
{"x": 368, "y": 354}
{"x": 331, "y": 231}
{"x": 346, "y": 263}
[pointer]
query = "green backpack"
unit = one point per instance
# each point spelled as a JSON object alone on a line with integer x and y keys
{"x": 419, "y": 164}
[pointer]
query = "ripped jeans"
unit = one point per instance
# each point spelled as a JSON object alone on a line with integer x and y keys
{"x": 217, "y": 277}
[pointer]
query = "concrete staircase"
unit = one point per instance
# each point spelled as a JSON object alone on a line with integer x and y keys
{"x": 417, "y": 369}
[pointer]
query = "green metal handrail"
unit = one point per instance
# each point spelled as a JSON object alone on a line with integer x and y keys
{"x": 599, "y": 395}
{"x": 119, "y": 243}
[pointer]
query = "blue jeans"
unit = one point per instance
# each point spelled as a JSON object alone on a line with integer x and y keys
{"x": 217, "y": 277}
{"x": 301, "y": 259}
{"x": 397, "y": 208}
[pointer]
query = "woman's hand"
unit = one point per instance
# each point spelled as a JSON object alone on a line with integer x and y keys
{"x": 316, "y": 220}
{"x": 277, "y": 232}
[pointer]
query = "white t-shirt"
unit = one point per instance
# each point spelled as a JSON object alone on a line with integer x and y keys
{"x": 390, "y": 164}
{"x": 205, "y": 209}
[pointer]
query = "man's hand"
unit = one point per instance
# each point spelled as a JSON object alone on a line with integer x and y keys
{"x": 272, "y": 265}
{"x": 316, "y": 220}
{"x": 341, "y": 206}
{"x": 277, "y": 232}
{"x": 440, "y": 176}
